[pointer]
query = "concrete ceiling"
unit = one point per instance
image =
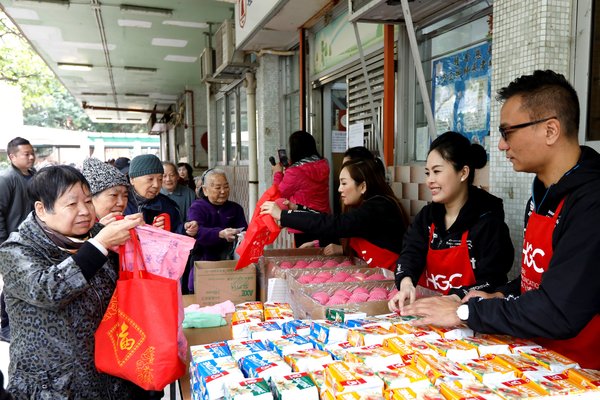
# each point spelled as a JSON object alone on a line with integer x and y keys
{"x": 136, "y": 58}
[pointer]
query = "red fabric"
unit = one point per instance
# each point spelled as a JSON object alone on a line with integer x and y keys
{"x": 262, "y": 230}
{"x": 167, "y": 226}
{"x": 537, "y": 253}
{"x": 374, "y": 256}
{"x": 306, "y": 184}
{"x": 137, "y": 338}
{"x": 447, "y": 268}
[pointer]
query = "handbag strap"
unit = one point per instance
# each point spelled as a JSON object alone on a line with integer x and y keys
{"x": 138, "y": 257}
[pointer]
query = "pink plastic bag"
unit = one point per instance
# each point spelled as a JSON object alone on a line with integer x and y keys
{"x": 165, "y": 254}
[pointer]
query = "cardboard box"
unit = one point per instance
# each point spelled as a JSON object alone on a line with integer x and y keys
{"x": 218, "y": 281}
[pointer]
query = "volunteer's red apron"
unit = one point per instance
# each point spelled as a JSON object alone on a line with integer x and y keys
{"x": 537, "y": 253}
{"x": 375, "y": 256}
{"x": 447, "y": 268}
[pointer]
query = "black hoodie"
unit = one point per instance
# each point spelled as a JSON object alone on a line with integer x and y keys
{"x": 569, "y": 294}
{"x": 490, "y": 247}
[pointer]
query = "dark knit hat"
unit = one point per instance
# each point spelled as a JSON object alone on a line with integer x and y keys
{"x": 146, "y": 164}
{"x": 122, "y": 164}
{"x": 102, "y": 176}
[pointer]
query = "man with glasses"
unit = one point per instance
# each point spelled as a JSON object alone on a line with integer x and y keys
{"x": 556, "y": 300}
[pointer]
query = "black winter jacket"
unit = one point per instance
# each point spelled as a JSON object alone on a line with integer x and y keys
{"x": 14, "y": 201}
{"x": 488, "y": 240}
{"x": 377, "y": 220}
{"x": 569, "y": 294}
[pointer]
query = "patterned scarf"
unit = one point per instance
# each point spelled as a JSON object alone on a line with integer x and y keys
{"x": 66, "y": 243}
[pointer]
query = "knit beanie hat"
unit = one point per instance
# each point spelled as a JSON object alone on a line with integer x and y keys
{"x": 145, "y": 164}
{"x": 102, "y": 176}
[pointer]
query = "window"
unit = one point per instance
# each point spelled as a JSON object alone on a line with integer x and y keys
{"x": 243, "y": 125}
{"x": 291, "y": 94}
{"x": 221, "y": 144}
{"x": 232, "y": 126}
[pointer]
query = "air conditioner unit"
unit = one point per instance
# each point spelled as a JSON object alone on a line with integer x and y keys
{"x": 226, "y": 55}
{"x": 207, "y": 62}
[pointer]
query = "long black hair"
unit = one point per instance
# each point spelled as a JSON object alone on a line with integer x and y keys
{"x": 459, "y": 151}
{"x": 302, "y": 145}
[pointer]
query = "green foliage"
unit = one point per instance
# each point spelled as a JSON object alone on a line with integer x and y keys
{"x": 46, "y": 102}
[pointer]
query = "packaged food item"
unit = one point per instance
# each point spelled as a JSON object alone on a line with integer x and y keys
{"x": 397, "y": 345}
{"x": 245, "y": 347}
{"x": 265, "y": 330}
{"x": 328, "y": 331}
{"x": 264, "y": 365}
{"x": 375, "y": 356}
{"x": 519, "y": 363}
{"x": 551, "y": 360}
{"x": 287, "y": 344}
{"x": 308, "y": 360}
{"x": 420, "y": 346}
{"x": 298, "y": 386}
{"x": 368, "y": 335}
{"x": 587, "y": 377}
{"x": 241, "y": 320}
{"x": 411, "y": 394}
{"x": 455, "y": 350}
{"x": 487, "y": 345}
{"x": 456, "y": 332}
{"x": 518, "y": 389}
{"x": 249, "y": 305}
{"x": 403, "y": 375}
{"x": 489, "y": 370}
{"x": 202, "y": 352}
{"x": 388, "y": 320}
{"x": 297, "y": 326}
{"x": 318, "y": 377}
{"x": 441, "y": 369}
{"x": 343, "y": 314}
{"x": 359, "y": 396}
{"x": 462, "y": 390}
{"x": 248, "y": 389}
{"x": 515, "y": 345}
{"x": 367, "y": 321}
{"x": 280, "y": 312}
{"x": 338, "y": 350}
{"x": 340, "y": 377}
{"x": 560, "y": 384}
{"x": 212, "y": 376}
{"x": 423, "y": 333}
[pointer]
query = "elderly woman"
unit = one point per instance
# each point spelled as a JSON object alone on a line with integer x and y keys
{"x": 146, "y": 176}
{"x": 58, "y": 280}
{"x": 109, "y": 189}
{"x": 180, "y": 194}
{"x": 219, "y": 220}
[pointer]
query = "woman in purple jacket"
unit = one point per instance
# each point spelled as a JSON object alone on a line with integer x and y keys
{"x": 219, "y": 221}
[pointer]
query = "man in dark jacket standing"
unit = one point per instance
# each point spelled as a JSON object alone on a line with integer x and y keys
{"x": 556, "y": 300}
{"x": 14, "y": 201}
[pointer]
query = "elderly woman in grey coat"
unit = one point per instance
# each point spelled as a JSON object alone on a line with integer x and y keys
{"x": 58, "y": 279}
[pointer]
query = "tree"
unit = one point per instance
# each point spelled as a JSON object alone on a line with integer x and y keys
{"x": 46, "y": 102}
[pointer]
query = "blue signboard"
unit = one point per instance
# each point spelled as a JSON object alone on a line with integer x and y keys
{"x": 461, "y": 93}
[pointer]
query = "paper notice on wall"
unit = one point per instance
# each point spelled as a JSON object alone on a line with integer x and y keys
{"x": 339, "y": 141}
{"x": 356, "y": 135}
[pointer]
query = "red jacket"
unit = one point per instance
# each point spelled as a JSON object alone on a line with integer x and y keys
{"x": 306, "y": 182}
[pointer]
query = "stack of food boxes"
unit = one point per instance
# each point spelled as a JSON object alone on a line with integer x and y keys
{"x": 378, "y": 357}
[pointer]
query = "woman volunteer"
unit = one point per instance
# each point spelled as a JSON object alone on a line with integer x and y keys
{"x": 458, "y": 242}
{"x": 58, "y": 281}
{"x": 373, "y": 219}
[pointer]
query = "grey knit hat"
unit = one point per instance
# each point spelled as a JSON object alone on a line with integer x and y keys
{"x": 146, "y": 164}
{"x": 102, "y": 176}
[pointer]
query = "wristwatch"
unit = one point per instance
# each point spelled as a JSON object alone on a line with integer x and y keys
{"x": 462, "y": 312}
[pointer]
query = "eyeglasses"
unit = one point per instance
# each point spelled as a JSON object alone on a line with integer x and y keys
{"x": 505, "y": 130}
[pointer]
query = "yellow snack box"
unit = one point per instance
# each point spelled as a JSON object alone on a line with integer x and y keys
{"x": 242, "y": 320}
{"x": 368, "y": 335}
{"x": 249, "y": 305}
{"x": 551, "y": 360}
{"x": 515, "y": 345}
{"x": 455, "y": 350}
{"x": 560, "y": 384}
{"x": 462, "y": 390}
{"x": 278, "y": 314}
{"x": 359, "y": 396}
{"x": 487, "y": 345}
{"x": 410, "y": 331}
{"x": 318, "y": 377}
{"x": 410, "y": 394}
{"x": 456, "y": 332}
{"x": 420, "y": 346}
{"x": 403, "y": 375}
{"x": 518, "y": 389}
{"x": 440, "y": 369}
{"x": 589, "y": 378}
{"x": 519, "y": 363}
{"x": 397, "y": 345}
{"x": 374, "y": 357}
{"x": 489, "y": 370}
{"x": 341, "y": 378}
{"x": 327, "y": 395}
{"x": 308, "y": 360}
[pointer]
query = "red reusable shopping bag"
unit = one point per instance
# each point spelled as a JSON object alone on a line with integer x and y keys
{"x": 137, "y": 338}
{"x": 262, "y": 230}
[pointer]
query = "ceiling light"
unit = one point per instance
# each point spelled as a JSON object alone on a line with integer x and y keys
{"x": 57, "y": 2}
{"x": 104, "y": 118}
{"x": 186, "y": 24}
{"x": 134, "y": 119}
{"x": 75, "y": 66}
{"x": 136, "y": 95}
{"x": 177, "y": 58}
{"x": 93, "y": 94}
{"x": 146, "y": 10}
{"x": 139, "y": 69}
{"x": 169, "y": 42}
{"x": 134, "y": 23}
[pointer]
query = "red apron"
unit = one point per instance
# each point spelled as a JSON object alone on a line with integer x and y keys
{"x": 375, "y": 256}
{"x": 537, "y": 253}
{"x": 447, "y": 268}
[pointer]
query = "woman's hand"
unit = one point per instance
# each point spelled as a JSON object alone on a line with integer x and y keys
{"x": 228, "y": 234}
{"x": 159, "y": 222}
{"x": 333, "y": 250}
{"x": 109, "y": 218}
{"x": 191, "y": 228}
{"x": 117, "y": 232}
{"x": 277, "y": 168}
{"x": 271, "y": 208}
{"x": 483, "y": 295}
{"x": 406, "y": 293}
